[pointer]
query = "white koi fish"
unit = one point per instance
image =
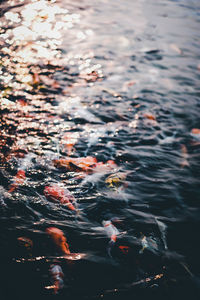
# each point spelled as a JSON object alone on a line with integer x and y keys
{"x": 57, "y": 278}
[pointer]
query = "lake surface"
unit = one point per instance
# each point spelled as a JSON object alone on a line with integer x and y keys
{"x": 100, "y": 138}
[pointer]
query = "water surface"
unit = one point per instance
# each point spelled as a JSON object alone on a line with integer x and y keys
{"x": 115, "y": 80}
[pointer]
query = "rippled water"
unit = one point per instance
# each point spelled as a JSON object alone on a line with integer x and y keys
{"x": 117, "y": 81}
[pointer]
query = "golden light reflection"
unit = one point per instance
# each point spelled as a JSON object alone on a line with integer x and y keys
{"x": 37, "y": 20}
{"x": 33, "y": 36}
{"x": 32, "y": 40}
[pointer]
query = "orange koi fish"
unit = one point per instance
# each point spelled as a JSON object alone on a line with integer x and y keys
{"x": 150, "y": 117}
{"x": 57, "y": 278}
{"x": 18, "y": 180}
{"x": 58, "y": 194}
{"x": 76, "y": 164}
{"x": 195, "y": 131}
{"x": 59, "y": 239}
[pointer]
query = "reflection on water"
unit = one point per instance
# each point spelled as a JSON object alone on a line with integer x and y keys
{"x": 99, "y": 149}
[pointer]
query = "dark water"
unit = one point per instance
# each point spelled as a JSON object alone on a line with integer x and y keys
{"x": 115, "y": 80}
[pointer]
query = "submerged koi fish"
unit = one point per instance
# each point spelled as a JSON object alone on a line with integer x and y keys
{"x": 57, "y": 278}
{"x": 76, "y": 164}
{"x": 59, "y": 239}
{"x": 58, "y": 194}
{"x": 115, "y": 180}
{"x": 112, "y": 232}
{"x": 148, "y": 243}
{"x": 27, "y": 243}
{"x": 150, "y": 117}
{"x": 19, "y": 179}
{"x": 87, "y": 164}
{"x": 195, "y": 133}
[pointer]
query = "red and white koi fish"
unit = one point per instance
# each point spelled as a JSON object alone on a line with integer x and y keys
{"x": 59, "y": 239}
{"x": 57, "y": 278}
{"x": 195, "y": 133}
{"x": 112, "y": 232}
{"x": 58, "y": 194}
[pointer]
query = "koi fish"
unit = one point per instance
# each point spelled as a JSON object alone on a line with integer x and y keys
{"x": 76, "y": 164}
{"x": 57, "y": 276}
{"x": 150, "y": 117}
{"x": 112, "y": 232}
{"x": 195, "y": 133}
{"x": 115, "y": 180}
{"x": 19, "y": 179}
{"x": 58, "y": 194}
{"x": 59, "y": 239}
{"x": 148, "y": 243}
{"x": 144, "y": 244}
{"x": 27, "y": 243}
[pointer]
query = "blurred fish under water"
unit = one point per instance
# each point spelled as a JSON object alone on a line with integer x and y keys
{"x": 99, "y": 149}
